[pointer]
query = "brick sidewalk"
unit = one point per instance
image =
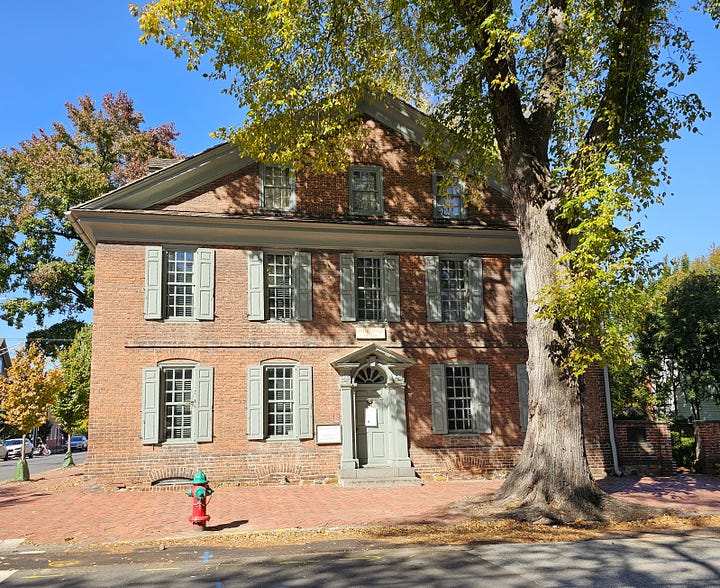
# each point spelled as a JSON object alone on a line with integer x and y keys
{"x": 54, "y": 508}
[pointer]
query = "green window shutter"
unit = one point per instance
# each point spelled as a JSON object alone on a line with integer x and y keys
{"x": 432, "y": 288}
{"x": 436, "y": 178}
{"x": 153, "y": 283}
{"x": 150, "y": 432}
{"x": 204, "y": 284}
{"x": 519, "y": 294}
{"x": 480, "y": 390}
{"x": 203, "y": 406}
{"x": 255, "y": 403}
{"x": 475, "y": 311}
{"x": 303, "y": 286}
{"x": 438, "y": 398}
{"x": 304, "y": 403}
{"x": 256, "y": 286}
{"x": 347, "y": 287}
{"x": 391, "y": 288}
{"x": 523, "y": 391}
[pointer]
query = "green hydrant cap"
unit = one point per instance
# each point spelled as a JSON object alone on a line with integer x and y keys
{"x": 200, "y": 478}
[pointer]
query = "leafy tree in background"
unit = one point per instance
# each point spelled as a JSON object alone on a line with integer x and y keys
{"x": 680, "y": 336}
{"x": 71, "y": 406}
{"x": 44, "y": 268}
{"x": 570, "y": 102}
{"x": 27, "y": 392}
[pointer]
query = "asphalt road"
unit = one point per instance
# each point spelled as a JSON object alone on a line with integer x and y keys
{"x": 39, "y": 464}
{"x": 649, "y": 561}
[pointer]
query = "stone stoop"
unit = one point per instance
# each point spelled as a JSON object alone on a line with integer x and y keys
{"x": 379, "y": 477}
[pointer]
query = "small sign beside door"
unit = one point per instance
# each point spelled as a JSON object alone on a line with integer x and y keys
{"x": 328, "y": 434}
{"x": 371, "y": 416}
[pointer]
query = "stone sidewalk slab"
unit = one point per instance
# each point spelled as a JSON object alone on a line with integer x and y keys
{"x": 55, "y": 508}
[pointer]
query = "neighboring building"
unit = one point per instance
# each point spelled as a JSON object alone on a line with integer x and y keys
{"x": 269, "y": 326}
{"x": 4, "y": 357}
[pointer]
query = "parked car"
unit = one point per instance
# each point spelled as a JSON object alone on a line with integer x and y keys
{"x": 13, "y": 448}
{"x": 78, "y": 443}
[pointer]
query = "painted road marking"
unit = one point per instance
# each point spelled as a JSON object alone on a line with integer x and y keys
{"x": 5, "y": 574}
{"x": 64, "y": 563}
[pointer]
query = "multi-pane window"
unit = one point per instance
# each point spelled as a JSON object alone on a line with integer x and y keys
{"x": 179, "y": 283}
{"x": 177, "y": 403}
{"x": 177, "y": 389}
{"x": 278, "y": 273}
{"x": 279, "y": 286}
{"x": 280, "y": 401}
{"x": 366, "y": 190}
{"x": 448, "y": 198}
{"x": 452, "y": 289}
{"x": 368, "y": 276}
{"x": 278, "y": 187}
{"x": 369, "y": 287}
{"x": 459, "y": 398}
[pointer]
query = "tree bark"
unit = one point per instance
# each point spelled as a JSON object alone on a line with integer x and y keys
{"x": 552, "y": 478}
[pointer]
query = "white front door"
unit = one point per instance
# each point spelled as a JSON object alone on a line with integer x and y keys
{"x": 372, "y": 428}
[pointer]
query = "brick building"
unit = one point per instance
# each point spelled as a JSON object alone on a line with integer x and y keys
{"x": 269, "y": 326}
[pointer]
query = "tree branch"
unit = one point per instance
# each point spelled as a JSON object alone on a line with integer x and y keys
{"x": 552, "y": 81}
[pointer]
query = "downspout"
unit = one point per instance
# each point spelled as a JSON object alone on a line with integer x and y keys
{"x": 611, "y": 423}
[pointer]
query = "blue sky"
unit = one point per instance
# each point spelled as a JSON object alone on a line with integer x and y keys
{"x": 54, "y": 52}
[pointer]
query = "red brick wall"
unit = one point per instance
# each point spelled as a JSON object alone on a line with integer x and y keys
{"x": 708, "y": 433}
{"x": 644, "y": 447}
{"x": 407, "y": 190}
{"x": 124, "y": 343}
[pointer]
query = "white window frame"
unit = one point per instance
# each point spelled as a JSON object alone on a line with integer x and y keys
{"x": 154, "y": 428}
{"x": 258, "y": 401}
{"x": 389, "y": 285}
{"x": 285, "y": 170}
{"x": 439, "y": 208}
{"x": 474, "y": 288}
{"x": 156, "y": 287}
{"x": 480, "y": 407}
{"x": 377, "y": 171}
{"x": 300, "y": 282}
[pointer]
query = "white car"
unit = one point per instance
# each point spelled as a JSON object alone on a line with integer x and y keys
{"x": 13, "y": 448}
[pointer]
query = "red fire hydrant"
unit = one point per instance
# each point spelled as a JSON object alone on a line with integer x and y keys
{"x": 200, "y": 493}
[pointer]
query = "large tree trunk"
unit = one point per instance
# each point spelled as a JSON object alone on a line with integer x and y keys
{"x": 552, "y": 475}
{"x": 551, "y": 481}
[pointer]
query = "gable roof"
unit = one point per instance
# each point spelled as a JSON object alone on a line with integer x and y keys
{"x": 221, "y": 160}
{"x": 129, "y": 214}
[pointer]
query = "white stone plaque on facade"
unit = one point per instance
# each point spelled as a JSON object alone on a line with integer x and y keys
{"x": 328, "y": 434}
{"x": 370, "y": 333}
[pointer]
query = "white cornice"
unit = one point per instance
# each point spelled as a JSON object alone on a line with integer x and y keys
{"x": 140, "y": 227}
{"x": 172, "y": 181}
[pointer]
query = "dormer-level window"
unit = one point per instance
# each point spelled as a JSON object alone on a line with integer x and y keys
{"x": 448, "y": 197}
{"x": 366, "y": 193}
{"x": 277, "y": 187}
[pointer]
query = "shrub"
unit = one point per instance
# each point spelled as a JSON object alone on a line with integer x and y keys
{"x": 683, "y": 449}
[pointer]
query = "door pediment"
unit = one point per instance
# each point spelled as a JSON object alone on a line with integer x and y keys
{"x": 396, "y": 362}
